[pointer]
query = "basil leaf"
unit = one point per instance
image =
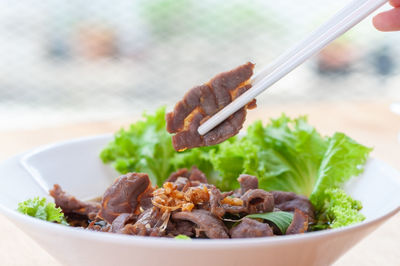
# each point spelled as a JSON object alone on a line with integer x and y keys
{"x": 281, "y": 219}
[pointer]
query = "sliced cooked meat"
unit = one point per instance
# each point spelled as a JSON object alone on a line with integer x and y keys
{"x": 193, "y": 175}
{"x": 148, "y": 223}
{"x": 202, "y": 102}
{"x": 197, "y": 175}
{"x": 221, "y": 203}
{"x": 181, "y": 227}
{"x": 205, "y": 221}
{"x": 124, "y": 196}
{"x": 141, "y": 230}
{"x": 180, "y": 173}
{"x": 70, "y": 204}
{"x": 289, "y": 201}
{"x": 215, "y": 202}
{"x": 119, "y": 223}
{"x": 251, "y": 228}
{"x": 299, "y": 224}
{"x": 247, "y": 182}
{"x": 182, "y": 183}
{"x": 151, "y": 217}
{"x": 145, "y": 198}
{"x": 187, "y": 205}
{"x": 258, "y": 201}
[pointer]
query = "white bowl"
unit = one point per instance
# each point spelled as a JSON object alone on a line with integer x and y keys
{"x": 76, "y": 166}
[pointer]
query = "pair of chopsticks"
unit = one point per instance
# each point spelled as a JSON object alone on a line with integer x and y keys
{"x": 340, "y": 23}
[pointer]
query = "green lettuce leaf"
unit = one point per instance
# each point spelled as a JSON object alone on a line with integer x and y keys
{"x": 144, "y": 147}
{"x": 290, "y": 155}
{"x": 286, "y": 154}
{"x": 343, "y": 159}
{"x": 290, "y": 152}
{"x": 147, "y": 147}
{"x": 232, "y": 159}
{"x": 339, "y": 209}
{"x": 41, "y": 209}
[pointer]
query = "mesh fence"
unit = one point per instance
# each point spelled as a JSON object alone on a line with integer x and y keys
{"x": 71, "y": 60}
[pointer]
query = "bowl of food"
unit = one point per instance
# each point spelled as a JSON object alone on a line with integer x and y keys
{"x": 281, "y": 193}
{"x": 74, "y": 246}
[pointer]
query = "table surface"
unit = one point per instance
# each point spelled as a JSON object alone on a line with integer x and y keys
{"x": 369, "y": 122}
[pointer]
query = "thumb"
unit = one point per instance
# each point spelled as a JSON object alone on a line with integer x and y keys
{"x": 388, "y": 21}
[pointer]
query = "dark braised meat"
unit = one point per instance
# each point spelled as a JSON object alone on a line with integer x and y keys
{"x": 253, "y": 201}
{"x": 151, "y": 222}
{"x": 299, "y": 224}
{"x": 193, "y": 175}
{"x": 258, "y": 201}
{"x": 202, "y": 102}
{"x": 251, "y": 228}
{"x": 71, "y": 205}
{"x": 289, "y": 201}
{"x": 206, "y": 223}
{"x": 247, "y": 182}
{"x": 216, "y": 207}
{"x": 125, "y": 196}
{"x": 181, "y": 227}
{"x": 185, "y": 205}
{"x": 123, "y": 219}
{"x": 141, "y": 230}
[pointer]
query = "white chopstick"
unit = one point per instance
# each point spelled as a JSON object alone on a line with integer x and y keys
{"x": 344, "y": 20}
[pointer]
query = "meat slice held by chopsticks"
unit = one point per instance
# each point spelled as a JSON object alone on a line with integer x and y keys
{"x": 202, "y": 102}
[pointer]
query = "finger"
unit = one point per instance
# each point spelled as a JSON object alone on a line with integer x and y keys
{"x": 395, "y": 3}
{"x": 388, "y": 21}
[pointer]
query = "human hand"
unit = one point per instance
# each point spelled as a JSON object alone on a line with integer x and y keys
{"x": 389, "y": 20}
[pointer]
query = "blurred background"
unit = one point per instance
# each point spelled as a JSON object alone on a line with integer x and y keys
{"x": 73, "y": 61}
